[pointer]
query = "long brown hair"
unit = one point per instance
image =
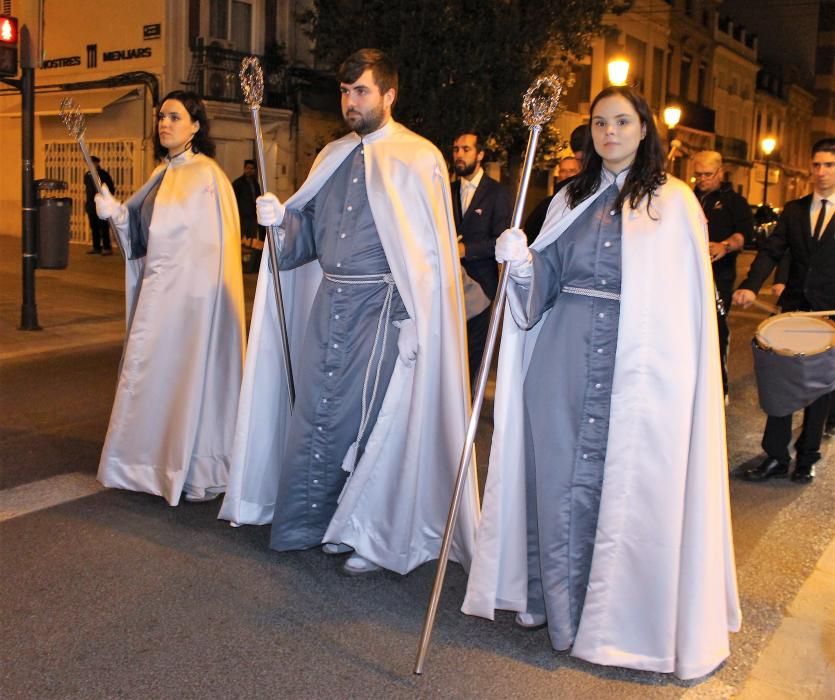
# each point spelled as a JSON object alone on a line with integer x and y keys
{"x": 646, "y": 174}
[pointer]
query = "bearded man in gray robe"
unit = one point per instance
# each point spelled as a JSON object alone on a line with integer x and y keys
{"x": 372, "y": 287}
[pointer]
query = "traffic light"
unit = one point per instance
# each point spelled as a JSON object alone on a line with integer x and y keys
{"x": 8, "y": 46}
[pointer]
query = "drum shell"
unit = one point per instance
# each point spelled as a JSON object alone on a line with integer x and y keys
{"x": 787, "y": 383}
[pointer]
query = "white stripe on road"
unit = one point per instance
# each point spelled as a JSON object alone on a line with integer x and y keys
{"x": 47, "y": 493}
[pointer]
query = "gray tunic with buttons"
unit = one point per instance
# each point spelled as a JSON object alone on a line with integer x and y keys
{"x": 567, "y": 416}
{"x": 335, "y": 227}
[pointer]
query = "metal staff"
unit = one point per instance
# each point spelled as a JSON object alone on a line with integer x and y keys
{"x": 252, "y": 84}
{"x": 76, "y": 126}
{"x": 538, "y": 105}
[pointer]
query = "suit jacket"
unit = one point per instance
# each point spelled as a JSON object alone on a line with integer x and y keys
{"x": 487, "y": 216}
{"x": 810, "y": 284}
{"x": 90, "y": 189}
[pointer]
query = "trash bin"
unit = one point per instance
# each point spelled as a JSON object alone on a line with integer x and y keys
{"x": 53, "y": 225}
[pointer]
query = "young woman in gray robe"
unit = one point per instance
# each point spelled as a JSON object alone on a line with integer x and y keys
{"x": 616, "y": 533}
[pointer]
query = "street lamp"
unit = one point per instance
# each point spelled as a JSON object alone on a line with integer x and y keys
{"x": 767, "y": 145}
{"x": 672, "y": 116}
{"x": 618, "y": 69}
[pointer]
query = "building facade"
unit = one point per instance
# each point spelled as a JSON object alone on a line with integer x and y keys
{"x": 116, "y": 60}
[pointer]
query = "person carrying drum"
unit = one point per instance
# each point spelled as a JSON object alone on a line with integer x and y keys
{"x": 730, "y": 224}
{"x": 806, "y": 231}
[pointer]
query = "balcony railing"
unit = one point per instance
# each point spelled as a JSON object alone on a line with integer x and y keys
{"x": 731, "y": 148}
{"x": 214, "y": 76}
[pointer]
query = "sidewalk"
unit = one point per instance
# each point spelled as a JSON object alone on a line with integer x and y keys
{"x": 81, "y": 306}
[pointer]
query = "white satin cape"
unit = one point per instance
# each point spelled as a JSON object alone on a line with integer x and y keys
{"x": 394, "y": 509}
{"x": 662, "y": 592}
{"x": 173, "y": 416}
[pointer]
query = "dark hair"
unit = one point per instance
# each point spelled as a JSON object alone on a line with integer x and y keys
{"x": 95, "y": 159}
{"x": 646, "y": 174}
{"x": 578, "y": 138}
{"x": 826, "y": 145}
{"x": 202, "y": 141}
{"x": 479, "y": 144}
{"x": 249, "y": 161}
{"x": 382, "y": 68}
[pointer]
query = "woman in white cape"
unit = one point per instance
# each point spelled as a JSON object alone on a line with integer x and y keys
{"x": 606, "y": 511}
{"x": 173, "y": 417}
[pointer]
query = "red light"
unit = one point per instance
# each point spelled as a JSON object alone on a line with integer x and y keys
{"x": 8, "y": 30}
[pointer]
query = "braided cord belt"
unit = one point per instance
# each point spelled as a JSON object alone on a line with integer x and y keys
{"x": 379, "y": 341}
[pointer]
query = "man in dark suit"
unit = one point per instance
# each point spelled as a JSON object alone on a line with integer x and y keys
{"x": 482, "y": 210}
{"x": 100, "y": 230}
{"x": 247, "y": 190}
{"x": 806, "y": 231}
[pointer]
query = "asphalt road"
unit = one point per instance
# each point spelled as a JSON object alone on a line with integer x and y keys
{"x": 117, "y": 595}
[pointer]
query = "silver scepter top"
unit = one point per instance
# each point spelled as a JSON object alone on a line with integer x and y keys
{"x": 252, "y": 81}
{"x": 540, "y": 101}
{"x": 72, "y": 117}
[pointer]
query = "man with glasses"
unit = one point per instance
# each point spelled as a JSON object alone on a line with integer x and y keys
{"x": 730, "y": 223}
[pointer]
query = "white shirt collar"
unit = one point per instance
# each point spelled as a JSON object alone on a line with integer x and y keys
{"x": 607, "y": 178}
{"x": 816, "y": 200}
{"x": 476, "y": 180}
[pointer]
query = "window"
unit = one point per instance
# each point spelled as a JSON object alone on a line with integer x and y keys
{"x": 219, "y": 18}
{"x": 702, "y": 83}
{"x": 657, "y": 76}
{"x": 232, "y": 20}
{"x": 241, "y": 26}
{"x": 684, "y": 77}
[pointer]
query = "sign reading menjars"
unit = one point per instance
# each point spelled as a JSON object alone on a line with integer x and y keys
{"x": 126, "y": 54}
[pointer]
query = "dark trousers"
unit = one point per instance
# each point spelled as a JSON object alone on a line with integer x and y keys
{"x": 100, "y": 231}
{"x": 725, "y": 288}
{"x": 477, "y": 328}
{"x": 778, "y": 434}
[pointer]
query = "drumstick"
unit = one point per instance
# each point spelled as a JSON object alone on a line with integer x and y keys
{"x": 831, "y": 312}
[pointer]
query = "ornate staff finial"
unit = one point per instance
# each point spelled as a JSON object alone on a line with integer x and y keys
{"x": 252, "y": 81}
{"x": 540, "y": 101}
{"x": 73, "y": 118}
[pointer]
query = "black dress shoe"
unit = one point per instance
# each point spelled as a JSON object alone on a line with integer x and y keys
{"x": 803, "y": 475}
{"x": 94, "y": 251}
{"x": 768, "y": 469}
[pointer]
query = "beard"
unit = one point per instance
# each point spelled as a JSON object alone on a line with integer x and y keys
{"x": 462, "y": 169}
{"x": 365, "y": 122}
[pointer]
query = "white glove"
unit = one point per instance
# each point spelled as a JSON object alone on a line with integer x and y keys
{"x": 407, "y": 342}
{"x": 108, "y": 207}
{"x": 270, "y": 210}
{"x": 512, "y": 249}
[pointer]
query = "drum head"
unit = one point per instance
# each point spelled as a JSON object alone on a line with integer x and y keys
{"x": 796, "y": 334}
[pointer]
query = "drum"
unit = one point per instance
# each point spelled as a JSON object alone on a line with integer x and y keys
{"x": 794, "y": 361}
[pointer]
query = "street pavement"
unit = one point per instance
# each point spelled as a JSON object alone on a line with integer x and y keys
{"x": 113, "y": 594}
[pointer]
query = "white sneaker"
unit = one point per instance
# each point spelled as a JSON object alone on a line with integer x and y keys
{"x": 336, "y": 548}
{"x": 207, "y": 496}
{"x": 357, "y": 566}
{"x": 530, "y": 621}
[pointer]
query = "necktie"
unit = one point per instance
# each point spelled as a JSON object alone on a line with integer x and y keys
{"x": 819, "y": 223}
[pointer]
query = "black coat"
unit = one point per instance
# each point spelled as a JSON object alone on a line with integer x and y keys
{"x": 810, "y": 284}
{"x": 90, "y": 189}
{"x": 487, "y": 216}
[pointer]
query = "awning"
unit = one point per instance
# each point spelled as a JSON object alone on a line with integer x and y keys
{"x": 48, "y": 104}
